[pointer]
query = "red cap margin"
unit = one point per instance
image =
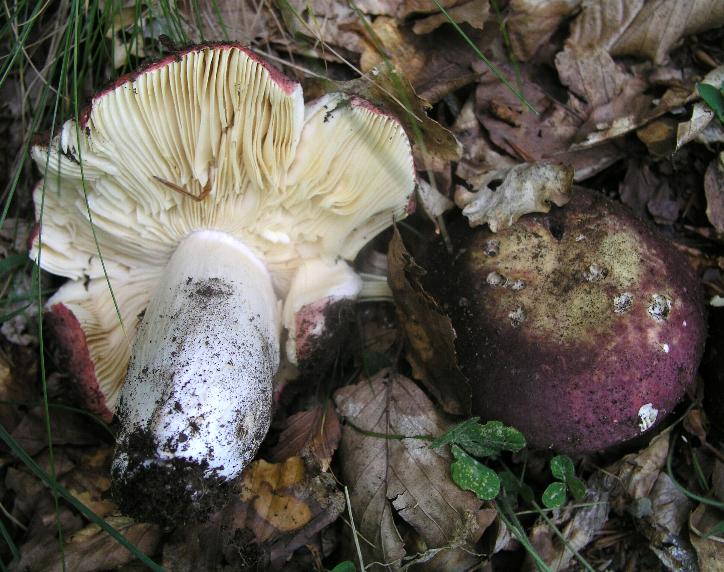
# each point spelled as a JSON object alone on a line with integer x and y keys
{"x": 71, "y": 338}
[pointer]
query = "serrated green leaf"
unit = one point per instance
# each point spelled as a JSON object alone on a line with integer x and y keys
{"x": 471, "y": 475}
{"x": 555, "y": 495}
{"x": 577, "y": 487}
{"x": 562, "y": 467}
{"x": 713, "y": 97}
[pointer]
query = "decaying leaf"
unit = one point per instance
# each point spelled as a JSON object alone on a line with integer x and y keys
{"x": 242, "y": 21}
{"x": 473, "y": 12}
{"x": 709, "y": 547}
{"x": 645, "y": 29}
{"x": 532, "y": 22}
{"x": 524, "y": 189}
{"x": 92, "y": 549}
{"x": 637, "y": 472}
{"x": 433, "y": 202}
{"x": 429, "y": 332}
{"x": 312, "y": 435}
{"x": 479, "y": 158}
{"x": 403, "y": 478}
{"x": 435, "y": 64}
{"x": 714, "y": 190}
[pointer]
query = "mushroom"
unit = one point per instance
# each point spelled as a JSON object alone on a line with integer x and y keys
{"x": 203, "y": 216}
{"x": 582, "y": 327}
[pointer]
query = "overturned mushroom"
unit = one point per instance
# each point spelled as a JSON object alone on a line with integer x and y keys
{"x": 582, "y": 327}
{"x": 223, "y": 210}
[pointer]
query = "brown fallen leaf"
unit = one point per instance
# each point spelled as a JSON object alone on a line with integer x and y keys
{"x": 428, "y": 331}
{"x": 522, "y": 189}
{"x": 645, "y": 29}
{"x": 472, "y": 12}
{"x": 709, "y": 548}
{"x": 637, "y": 472}
{"x": 398, "y": 479}
{"x": 479, "y": 157}
{"x": 714, "y": 190}
{"x": 67, "y": 428}
{"x": 92, "y": 549}
{"x": 435, "y": 64}
{"x": 243, "y": 21}
{"x": 312, "y": 435}
{"x": 531, "y": 23}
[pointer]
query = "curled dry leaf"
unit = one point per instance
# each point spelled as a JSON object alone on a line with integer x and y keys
{"x": 428, "y": 331}
{"x": 645, "y": 29}
{"x": 532, "y": 22}
{"x": 473, "y": 12}
{"x": 433, "y": 202}
{"x": 638, "y": 472}
{"x": 402, "y": 479}
{"x": 312, "y": 435}
{"x": 435, "y": 64}
{"x": 714, "y": 190}
{"x": 524, "y": 189}
{"x": 479, "y": 158}
{"x": 709, "y": 547}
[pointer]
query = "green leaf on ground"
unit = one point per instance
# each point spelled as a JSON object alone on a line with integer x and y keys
{"x": 482, "y": 441}
{"x": 713, "y": 97}
{"x": 471, "y": 475}
{"x": 555, "y": 495}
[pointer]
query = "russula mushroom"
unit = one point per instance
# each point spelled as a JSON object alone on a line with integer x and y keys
{"x": 223, "y": 215}
{"x": 582, "y": 327}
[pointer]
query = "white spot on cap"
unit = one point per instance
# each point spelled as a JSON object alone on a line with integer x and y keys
{"x": 664, "y": 348}
{"x": 647, "y": 416}
{"x": 659, "y": 308}
{"x": 517, "y": 316}
{"x": 595, "y": 273}
{"x": 495, "y": 279}
{"x": 517, "y": 285}
{"x": 622, "y": 303}
{"x": 580, "y": 238}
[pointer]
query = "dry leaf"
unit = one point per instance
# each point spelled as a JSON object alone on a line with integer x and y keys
{"x": 592, "y": 75}
{"x": 433, "y": 202}
{"x": 435, "y": 65}
{"x": 638, "y": 28}
{"x": 403, "y": 479}
{"x": 517, "y": 130}
{"x": 312, "y": 435}
{"x": 531, "y": 23}
{"x": 473, "y": 12}
{"x": 714, "y": 190}
{"x": 710, "y": 551}
{"x": 67, "y": 428}
{"x": 638, "y": 472}
{"x": 479, "y": 158}
{"x": 524, "y": 189}
{"x": 92, "y": 549}
{"x": 429, "y": 332}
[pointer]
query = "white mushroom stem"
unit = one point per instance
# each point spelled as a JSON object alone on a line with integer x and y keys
{"x": 198, "y": 391}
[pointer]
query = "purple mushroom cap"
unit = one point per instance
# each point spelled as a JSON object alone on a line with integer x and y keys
{"x": 582, "y": 327}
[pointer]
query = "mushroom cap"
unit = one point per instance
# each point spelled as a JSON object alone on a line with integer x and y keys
{"x": 295, "y": 184}
{"x": 582, "y": 327}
